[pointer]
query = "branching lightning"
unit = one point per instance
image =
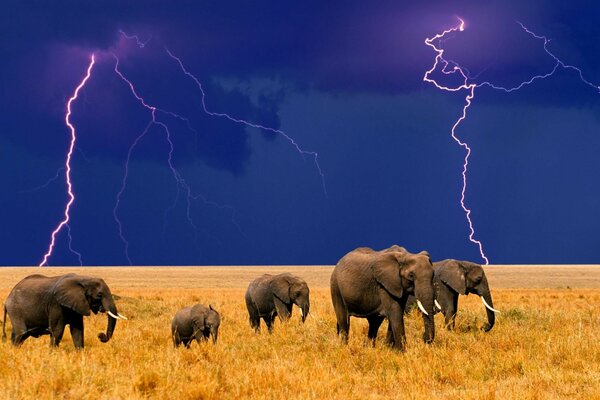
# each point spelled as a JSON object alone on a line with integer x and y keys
{"x": 66, "y": 218}
{"x": 470, "y": 87}
{"x": 449, "y": 67}
{"x": 140, "y": 44}
{"x": 181, "y": 183}
{"x": 312, "y": 154}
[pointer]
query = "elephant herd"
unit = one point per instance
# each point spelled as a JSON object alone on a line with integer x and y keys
{"x": 365, "y": 283}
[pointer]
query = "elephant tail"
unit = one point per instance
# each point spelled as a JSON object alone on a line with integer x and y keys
{"x": 4, "y": 326}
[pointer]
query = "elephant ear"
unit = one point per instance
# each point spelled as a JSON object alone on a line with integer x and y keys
{"x": 386, "y": 271}
{"x": 198, "y": 319}
{"x": 453, "y": 275}
{"x": 70, "y": 293}
{"x": 281, "y": 289}
{"x": 474, "y": 272}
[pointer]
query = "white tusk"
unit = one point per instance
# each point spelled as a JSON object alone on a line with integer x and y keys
{"x": 437, "y": 304}
{"x": 488, "y": 306}
{"x": 421, "y": 307}
{"x": 122, "y": 316}
{"x": 113, "y": 315}
{"x": 301, "y": 312}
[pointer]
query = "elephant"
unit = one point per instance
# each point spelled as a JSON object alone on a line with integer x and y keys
{"x": 453, "y": 278}
{"x": 196, "y": 322}
{"x": 269, "y": 296}
{"x": 40, "y": 305}
{"x": 376, "y": 284}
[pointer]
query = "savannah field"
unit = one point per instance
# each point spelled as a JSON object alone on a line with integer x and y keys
{"x": 545, "y": 345}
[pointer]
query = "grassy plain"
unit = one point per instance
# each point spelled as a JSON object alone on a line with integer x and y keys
{"x": 546, "y": 343}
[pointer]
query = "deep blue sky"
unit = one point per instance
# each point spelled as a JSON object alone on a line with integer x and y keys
{"x": 344, "y": 79}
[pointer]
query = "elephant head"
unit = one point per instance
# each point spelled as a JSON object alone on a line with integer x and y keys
{"x": 465, "y": 277}
{"x": 84, "y": 295}
{"x": 417, "y": 276}
{"x": 211, "y": 323}
{"x": 292, "y": 290}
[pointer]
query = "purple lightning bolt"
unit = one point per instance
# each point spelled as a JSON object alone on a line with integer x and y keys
{"x": 181, "y": 183}
{"x": 449, "y": 67}
{"x": 45, "y": 185}
{"x": 558, "y": 63}
{"x": 66, "y": 218}
{"x": 312, "y": 154}
{"x": 140, "y": 44}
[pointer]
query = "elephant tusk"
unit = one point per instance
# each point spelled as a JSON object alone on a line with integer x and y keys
{"x": 437, "y": 305}
{"x": 488, "y": 306}
{"x": 122, "y": 316}
{"x": 301, "y": 312}
{"x": 421, "y": 307}
{"x": 113, "y": 315}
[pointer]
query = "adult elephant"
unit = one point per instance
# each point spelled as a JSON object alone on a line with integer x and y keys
{"x": 376, "y": 284}
{"x": 269, "y": 296}
{"x": 40, "y": 305}
{"x": 195, "y": 323}
{"x": 453, "y": 278}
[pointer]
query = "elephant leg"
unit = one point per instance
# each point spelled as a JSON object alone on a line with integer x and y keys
{"x": 374, "y": 324}
{"x": 389, "y": 338}
{"x": 19, "y": 333}
{"x": 253, "y": 313}
{"x": 76, "y": 329}
{"x": 254, "y": 316}
{"x": 255, "y": 323}
{"x": 57, "y": 329}
{"x": 200, "y": 336}
{"x": 284, "y": 311}
{"x": 176, "y": 339}
{"x": 18, "y": 338}
{"x": 269, "y": 322}
{"x": 343, "y": 321}
{"x": 396, "y": 320}
{"x": 450, "y": 314}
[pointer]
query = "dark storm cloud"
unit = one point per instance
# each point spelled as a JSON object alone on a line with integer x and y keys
{"x": 345, "y": 79}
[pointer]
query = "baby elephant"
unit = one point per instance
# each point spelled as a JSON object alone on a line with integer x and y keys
{"x": 269, "y": 296}
{"x": 195, "y": 323}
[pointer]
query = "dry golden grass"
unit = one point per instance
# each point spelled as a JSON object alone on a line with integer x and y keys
{"x": 545, "y": 344}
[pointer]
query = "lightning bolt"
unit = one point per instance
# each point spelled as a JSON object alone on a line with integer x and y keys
{"x": 302, "y": 152}
{"x": 140, "y": 44}
{"x": 66, "y": 218}
{"x": 311, "y": 154}
{"x": 45, "y": 185}
{"x": 558, "y": 63}
{"x": 181, "y": 183}
{"x": 449, "y": 67}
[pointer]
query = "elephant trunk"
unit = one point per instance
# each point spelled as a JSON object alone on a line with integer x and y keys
{"x": 486, "y": 296}
{"x": 109, "y": 306}
{"x": 215, "y": 334}
{"x": 425, "y": 295}
{"x": 304, "y": 310}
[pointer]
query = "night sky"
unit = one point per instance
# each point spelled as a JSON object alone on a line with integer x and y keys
{"x": 343, "y": 79}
